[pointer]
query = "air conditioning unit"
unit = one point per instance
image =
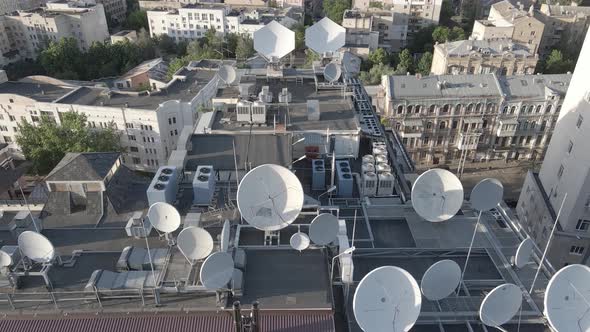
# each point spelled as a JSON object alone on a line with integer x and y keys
{"x": 285, "y": 96}
{"x": 386, "y": 182}
{"x": 164, "y": 185}
{"x": 265, "y": 96}
{"x": 370, "y": 184}
{"x": 383, "y": 168}
{"x": 318, "y": 180}
{"x": 344, "y": 179}
{"x": 136, "y": 228}
{"x": 203, "y": 185}
{"x": 366, "y": 168}
{"x": 258, "y": 112}
{"x": 379, "y": 151}
{"x": 244, "y": 111}
{"x": 380, "y": 159}
{"x": 368, "y": 159}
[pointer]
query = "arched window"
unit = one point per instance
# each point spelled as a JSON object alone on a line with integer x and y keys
{"x": 531, "y": 108}
{"x": 523, "y": 109}
{"x": 458, "y": 108}
{"x": 410, "y": 108}
{"x": 478, "y": 108}
{"x": 446, "y": 108}
{"x": 432, "y": 108}
{"x": 490, "y": 107}
{"x": 442, "y": 125}
{"x": 469, "y": 108}
{"x": 548, "y": 108}
{"x": 400, "y": 109}
{"x": 417, "y": 109}
{"x": 429, "y": 125}
{"x": 538, "y": 109}
{"x": 558, "y": 109}
{"x": 526, "y": 125}
{"x": 512, "y": 109}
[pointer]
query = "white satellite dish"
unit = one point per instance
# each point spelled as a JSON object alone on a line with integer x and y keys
{"x": 164, "y": 217}
{"x": 5, "y": 259}
{"x": 440, "y": 280}
{"x": 486, "y": 194}
{"x": 500, "y": 305}
{"x": 270, "y": 197}
{"x": 350, "y": 63}
{"x": 437, "y": 195}
{"x": 299, "y": 241}
{"x": 36, "y": 246}
{"x": 332, "y": 72}
{"x": 225, "y": 236}
{"x": 387, "y": 299}
{"x": 227, "y": 74}
{"x": 217, "y": 270}
{"x": 194, "y": 243}
{"x": 567, "y": 297}
{"x": 524, "y": 253}
{"x": 324, "y": 229}
{"x": 274, "y": 40}
{"x": 325, "y": 36}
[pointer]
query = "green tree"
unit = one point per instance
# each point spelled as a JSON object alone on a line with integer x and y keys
{"x": 24, "y": 68}
{"x": 334, "y": 9}
{"x": 231, "y": 42}
{"x": 310, "y": 57}
{"x": 440, "y": 34}
{"x": 405, "y": 62}
{"x": 245, "y": 47}
{"x": 374, "y": 75}
{"x": 424, "y": 64}
{"x": 446, "y": 13}
{"x": 556, "y": 63}
{"x": 166, "y": 44}
{"x": 46, "y": 144}
{"x": 62, "y": 59}
{"x": 456, "y": 33}
{"x": 423, "y": 40}
{"x": 137, "y": 20}
{"x": 174, "y": 65}
{"x": 378, "y": 56}
{"x": 299, "y": 36}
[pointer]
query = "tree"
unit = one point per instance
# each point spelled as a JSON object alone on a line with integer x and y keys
{"x": 166, "y": 44}
{"x": 374, "y": 75}
{"x": 378, "y": 56}
{"x": 423, "y": 40}
{"x": 299, "y": 36}
{"x": 440, "y": 34}
{"x": 424, "y": 64}
{"x": 174, "y": 65}
{"x": 456, "y": 33}
{"x": 62, "y": 59}
{"x": 137, "y": 20}
{"x": 446, "y": 13}
{"x": 310, "y": 57}
{"x": 334, "y": 9}
{"x": 405, "y": 62}
{"x": 46, "y": 144}
{"x": 556, "y": 63}
{"x": 245, "y": 47}
{"x": 23, "y": 68}
{"x": 231, "y": 42}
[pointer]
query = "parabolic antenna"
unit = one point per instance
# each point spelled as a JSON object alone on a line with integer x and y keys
{"x": 351, "y": 63}
{"x": 270, "y": 197}
{"x": 437, "y": 195}
{"x": 387, "y": 299}
{"x": 5, "y": 259}
{"x": 299, "y": 241}
{"x": 194, "y": 243}
{"x": 217, "y": 270}
{"x": 332, "y": 72}
{"x": 486, "y": 194}
{"x": 567, "y": 297}
{"x": 225, "y": 236}
{"x": 274, "y": 40}
{"x": 36, "y": 246}
{"x": 500, "y": 305}
{"x": 440, "y": 280}
{"x": 524, "y": 253}
{"x": 227, "y": 74}
{"x": 325, "y": 36}
{"x": 324, "y": 229}
{"x": 164, "y": 217}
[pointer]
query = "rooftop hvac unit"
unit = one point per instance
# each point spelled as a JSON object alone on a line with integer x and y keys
{"x": 368, "y": 168}
{"x": 379, "y": 151}
{"x": 203, "y": 185}
{"x": 383, "y": 168}
{"x": 265, "y": 96}
{"x": 285, "y": 96}
{"x": 246, "y": 89}
{"x": 313, "y": 110}
{"x": 368, "y": 159}
{"x": 381, "y": 159}
{"x": 346, "y": 264}
{"x": 164, "y": 185}
{"x": 318, "y": 181}
{"x": 344, "y": 180}
{"x": 243, "y": 111}
{"x": 136, "y": 228}
{"x": 385, "y": 187}
{"x": 23, "y": 222}
{"x": 258, "y": 112}
{"x": 370, "y": 184}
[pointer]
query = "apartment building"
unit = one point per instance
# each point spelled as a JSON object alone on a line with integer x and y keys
{"x": 11, "y": 6}
{"x": 32, "y": 30}
{"x": 396, "y": 21}
{"x": 564, "y": 172}
{"x": 513, "y": 22}
{"x": 564, "y": 25}
{"x": 500, "y": 56}
{"x": 149, "y": 123}
{"x": 116, "y": 10}
{"x": 491, "y": 117}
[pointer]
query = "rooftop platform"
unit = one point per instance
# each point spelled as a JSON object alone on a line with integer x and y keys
{"x": 38, "y": 92}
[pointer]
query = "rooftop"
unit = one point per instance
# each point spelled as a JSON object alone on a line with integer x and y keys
{"x": 534, "y": 85}
{"x": 484, "y": 47}
{"x": 444, "y": 86}
{"x": 88, "y": 166}
{"x": 38, "y": 92}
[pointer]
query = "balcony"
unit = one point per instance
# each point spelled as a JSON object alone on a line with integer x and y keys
{"x": 411, "y": 128}
{"x": 469, "y": 141}
{"x": 507, "y": 127}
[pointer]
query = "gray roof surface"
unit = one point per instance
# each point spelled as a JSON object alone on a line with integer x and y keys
{"x": 534, "y": 85}
{"x": 491, "y": 47}
{"x": 89, "y": 166}
{"x": 456, "y": 86}
{"x": 38, "y": 92}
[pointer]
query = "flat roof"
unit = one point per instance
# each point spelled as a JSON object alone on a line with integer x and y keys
{"x": 38, "y": 92}
{"x": 444, "y": 86}
{"x": 520, "y": 86}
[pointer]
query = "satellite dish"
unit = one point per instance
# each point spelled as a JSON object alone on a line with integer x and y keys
{"x": 274, "y": 40}
{"x": 270, "y": 197}
{"x": 387, "y": 299}
{"x": 486, "y": 194}
{"x": 299, "y": 241}
{"x": 36, "y": 246}
{"x": 325, "y": 36}
{"x": 440, "y": 280}
{"x": 437, "y": 195}
{"x": 225, "y": 236}
{"x": 350, "y": 62}
{"x": 5, "y": 259}
{"x": 164, "y": 217}
{"x": 523, "y": 253}
{"x": 332, "y": 72}
{"x": 567, "y": 299}
{"x": 194, "y": 243}
{"x": 217, "y": 270}
{"x": 227, "y": 74}
{"x": 324, "y": 229}
{"x": 500, "y": 305}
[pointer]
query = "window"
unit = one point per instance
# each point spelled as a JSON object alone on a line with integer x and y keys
{"x": 171, "y": 133}
{"x": 12, "y": 118}
{"x": 400, "y": 109}
{"x": 136, "y": 160}
{"x": 131, "y": 137}
{"x": 442, "y": 125}
{"x": 7, "y": 139}
{"x": 133, "y": 149}
{"x": 129, "y": 125}
{"x": 175, "y": 132}
{"x": 576, "y": 250}
{"x": 579, "y": 122}
{"x": 548, "y": 108}
{"x": 570, "y": 147}
{"x": 583, "y": 225}
{"x": 174, "y": 120}
{"x": 560, "y": 172}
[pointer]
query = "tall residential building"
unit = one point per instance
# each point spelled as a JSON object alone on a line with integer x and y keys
{"x": 396, "y": 21}
{"x": 493, "y": 118}
{"x": 509, "y": 21}
{"x": 565, "y": 170}
{"x": 500, "y": 56}
{"x": 564, "y": 26}
{"x": 116, "y": 10}
{"x": 11, "y": 6}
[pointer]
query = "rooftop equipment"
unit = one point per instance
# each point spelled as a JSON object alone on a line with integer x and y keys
{"x": 204, "y": 185}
